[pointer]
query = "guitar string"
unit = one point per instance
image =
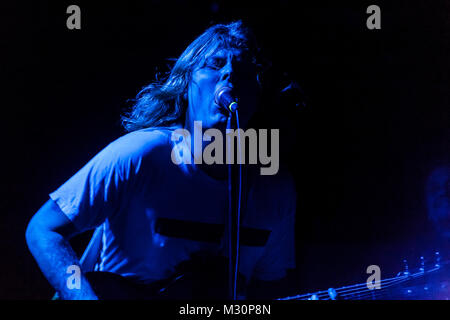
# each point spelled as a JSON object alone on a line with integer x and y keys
{"x": 354, "y": 289}
{"x": 325, "y": 292}
{"x": 410, "y": 277}
{"x": 357, "y": 291}
{"x": 362, "y": 296}
{"x": 367, "y": 291}
{"x": 370, "y": 293}
{"x": 390, "y": 283}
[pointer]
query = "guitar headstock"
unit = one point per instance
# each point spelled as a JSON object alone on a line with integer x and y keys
{"x": 428, "y": 282}
{"x": 430, "y": 264}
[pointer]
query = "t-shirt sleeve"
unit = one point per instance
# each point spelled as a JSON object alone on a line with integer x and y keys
{"x": 100, "y": 188}
{"x": 279, "y": 252}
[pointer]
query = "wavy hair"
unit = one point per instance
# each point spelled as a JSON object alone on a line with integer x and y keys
{"x": 163, "y": 102}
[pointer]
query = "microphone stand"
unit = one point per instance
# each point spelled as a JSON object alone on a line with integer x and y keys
{"x": 234, "y": 208}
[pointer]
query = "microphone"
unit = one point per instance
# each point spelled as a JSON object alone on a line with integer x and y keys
{"x": 224, "y": 98}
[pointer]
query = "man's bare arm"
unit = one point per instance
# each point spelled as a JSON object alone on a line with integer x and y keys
{"x": 47, "y": 237}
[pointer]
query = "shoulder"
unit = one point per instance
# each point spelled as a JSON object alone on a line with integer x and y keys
{"x": 142, "y": 142}
{"x": 137, "y": 147}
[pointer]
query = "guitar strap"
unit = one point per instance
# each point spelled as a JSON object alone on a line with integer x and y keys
{"x": 91, "y": 256}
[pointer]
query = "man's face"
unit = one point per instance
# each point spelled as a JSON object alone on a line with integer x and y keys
{"x": 226, "y": 67}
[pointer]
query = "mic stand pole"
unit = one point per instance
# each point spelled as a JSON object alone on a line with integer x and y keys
{"x": 231, "y": 230}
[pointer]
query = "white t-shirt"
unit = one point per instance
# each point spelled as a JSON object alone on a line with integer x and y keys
{"x": 155, "y": 213}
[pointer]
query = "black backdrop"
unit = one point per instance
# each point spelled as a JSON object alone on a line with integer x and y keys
{"x": 376, "y": 122}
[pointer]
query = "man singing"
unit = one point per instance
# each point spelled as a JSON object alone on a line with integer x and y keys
{"x": 160, "y": 220}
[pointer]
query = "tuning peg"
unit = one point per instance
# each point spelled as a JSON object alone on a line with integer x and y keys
{"x": 332, "y": 293}
{"x": 314, "y": 297}
{"x": 406, "y": 270}
{"x": 422, "y": 264}
{"x": 438, "y": 259}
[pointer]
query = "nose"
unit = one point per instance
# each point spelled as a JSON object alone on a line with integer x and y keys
{"x": 227, "y": 72}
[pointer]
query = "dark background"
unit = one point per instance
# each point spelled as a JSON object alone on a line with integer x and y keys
{"x": 375, "y": 124}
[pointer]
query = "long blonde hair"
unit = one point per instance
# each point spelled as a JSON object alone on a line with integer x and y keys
{"x": 163, "y": 102}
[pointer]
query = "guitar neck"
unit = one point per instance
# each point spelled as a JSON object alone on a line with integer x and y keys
{"x": 385, "y": 289}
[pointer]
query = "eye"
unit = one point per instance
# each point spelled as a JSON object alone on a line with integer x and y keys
{"x": 215, "y": 63}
